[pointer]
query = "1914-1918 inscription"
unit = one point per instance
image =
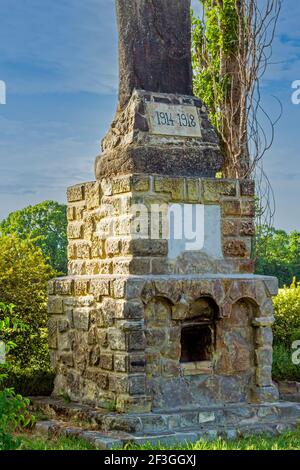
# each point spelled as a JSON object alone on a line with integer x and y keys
{"x": 174, "y": 120}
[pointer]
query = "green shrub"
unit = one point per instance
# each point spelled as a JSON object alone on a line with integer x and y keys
{"x": 24, "y": 274}
{"x": 283, "y": 367}
{"x": 14, "y": 415}
{"x": 30, "y": 382}
{"x": 14, "y": 411}
{"x": 287, "y": 316}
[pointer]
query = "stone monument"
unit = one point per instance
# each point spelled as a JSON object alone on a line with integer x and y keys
{"x": 154, "y": 326}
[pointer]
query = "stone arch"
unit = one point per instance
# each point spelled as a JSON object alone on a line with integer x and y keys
{"x": 228, "y": 304}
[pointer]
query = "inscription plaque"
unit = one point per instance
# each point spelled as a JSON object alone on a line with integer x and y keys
{"x": 173, "y": 120}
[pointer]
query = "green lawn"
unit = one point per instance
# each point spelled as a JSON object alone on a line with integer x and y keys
{"x": 287, "y": 441}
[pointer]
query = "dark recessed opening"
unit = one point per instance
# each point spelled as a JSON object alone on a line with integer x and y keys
{"x": 196, "y": 343}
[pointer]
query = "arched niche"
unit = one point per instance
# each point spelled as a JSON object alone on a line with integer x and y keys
{"x": 198, "y": 332}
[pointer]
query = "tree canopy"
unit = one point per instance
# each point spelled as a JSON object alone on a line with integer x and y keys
{"x": 46, "y": 225}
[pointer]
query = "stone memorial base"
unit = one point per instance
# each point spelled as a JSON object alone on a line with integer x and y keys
{"x": 109, "y": 430}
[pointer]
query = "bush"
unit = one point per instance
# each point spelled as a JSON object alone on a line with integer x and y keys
{"x": 30, "y": 382}
{"x": 283, "y": 367}
{"x": 287, "y": 316}
{"x": 24, "y": 274}
{"x": 14, "y": 409}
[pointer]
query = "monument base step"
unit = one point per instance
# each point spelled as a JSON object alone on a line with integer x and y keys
{"x": 106, "y": 429}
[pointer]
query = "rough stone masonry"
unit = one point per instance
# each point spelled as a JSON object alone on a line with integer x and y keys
{"x": 132, "y": 328}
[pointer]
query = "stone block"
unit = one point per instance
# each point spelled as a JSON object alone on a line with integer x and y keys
{"x": 71, "y": 214}
{"x": 247, "y": 188}
{"x": 235, "y": 249}
{"x": 81, "y": 318}
{"x": 106, "y": 361}
{"x": 117, "y": 340}
{"x": 271, "y": 284}
{"x": 130, "y": 404}
{"x": 246, "y": 266}
{"x": 174, "y": 186}
{"x": 265, "y": 394}
{"x": 106, "y": 186}
{"x": 83, "y": 250}
{"x": 231, "y": 208}
{"x": 137, "y": 384}
{"x": 102, "y": 338}
{"x": 264, "y": 337}
{"x": 230, "y": 227}
{"x": 193, "y": 190}
{"x": 75, "y": 193}
{"x": 263, "y": 376}
{"x": 264, "y": 356}
{"x": 51, "y": 287}
{"x": 105, "y": 266}
{"x": 248, "y": 208}
{"x": 121, "y": 362}
{"x": 214, "y": 190}
{"x": 67, "y": 359}
{"x": 55, "y": 305}
{"x": 99, "y": 288}
{"x": 247, "y": 228}
{"x": 63, "y": 326}
{"x": 92, "y": 195}
{"x": 140, "y": 266}
{"x": 113, "y": 247}
{"x": 161, "y": 266}
{"x": 113, "y": 308}
{"x": 75, "y": 230}
{"x": 143, "y": 247}
{"x": 136, "y": 341}
{"x": 121, "y": 185}
{"x": 63, "y": 342}
{"x": 64, "y": 286}
{"x": 81, "y": 287}
{"x": 140, "y": 183}
{"x": 133, "y": 309}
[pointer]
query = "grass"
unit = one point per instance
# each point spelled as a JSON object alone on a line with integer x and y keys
{"x": 286, "y": 441}
{"x": 35, "y": 442}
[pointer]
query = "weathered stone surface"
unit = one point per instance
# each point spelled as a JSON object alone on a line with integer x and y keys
{"x": 154, "y": 47}
{"x": 75, "y": 193}
{"x": 215, "y": 189}
{"x": 186, "y": 161}
{"x": 81, "y": 318}
{"x": 235, "y": 249}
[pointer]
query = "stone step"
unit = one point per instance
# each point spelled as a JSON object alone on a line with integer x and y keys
{"x": 165, "y": 422}
{"x": 113, "y": 440}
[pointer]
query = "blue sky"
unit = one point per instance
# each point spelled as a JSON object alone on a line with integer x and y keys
{"x": 59, "y": 61}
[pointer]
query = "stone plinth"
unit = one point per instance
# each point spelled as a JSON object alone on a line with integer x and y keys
{"x": 118, "y": 321}
{"x": 134, "y": 146}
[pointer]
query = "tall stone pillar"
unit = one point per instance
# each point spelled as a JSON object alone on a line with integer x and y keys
{"x": 156, "y": 314}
